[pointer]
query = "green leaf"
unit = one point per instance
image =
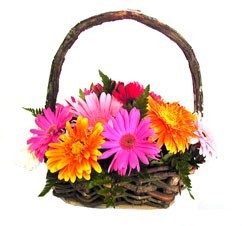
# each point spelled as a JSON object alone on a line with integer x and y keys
{"x": 167, "y": 156}
{"x": 35, "y": 112}
{"x": 143, "y": 174}
{"x": 81, "y": 94}
{"x": 108, "y": 83}
{"x": 99, "y": 179}
{"x": 104, "y": 191}
{"x": 51, "y": 179}
{"x": 142, "y": 101}
{"x": 189, "y": 191}
{"x": 118, "y": 189}
{"x": 181, "y": 162}
{"x": 158, "y": 162}
{"x": 98, "y": 182}
{"x": 125, "y": 179}
{"x": 110, "y": 201}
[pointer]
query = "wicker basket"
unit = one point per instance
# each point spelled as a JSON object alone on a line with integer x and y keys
{"x": 163, "y": 182}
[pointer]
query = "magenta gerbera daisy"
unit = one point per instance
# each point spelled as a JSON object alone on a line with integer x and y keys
{"x": 129, "y": 138}
{"x": 50, "y": 126}
{"x": 96, "y": 109}
{"x": 127, "y": 93}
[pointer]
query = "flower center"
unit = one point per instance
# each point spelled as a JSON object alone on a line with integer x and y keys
{"x": 169, "y": 117}
{"x": 77, "y": 148}
{"x": 51, "y": 130}
{"x": 204, "y": 134}
{"x": 127, "y": 141}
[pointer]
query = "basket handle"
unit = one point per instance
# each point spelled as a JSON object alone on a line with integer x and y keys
{"x": 71, "y": 37}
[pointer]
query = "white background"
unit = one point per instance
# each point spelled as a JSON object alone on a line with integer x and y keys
{"x": 32, "y": 31}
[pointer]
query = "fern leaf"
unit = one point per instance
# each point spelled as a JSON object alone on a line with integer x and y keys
{"x": 182, "y": 165}
{"x": 142, "y": 101}
{"x": 108, "y": 83}
{"x": 34, "y": 112}
{"x": 51, "y": 179}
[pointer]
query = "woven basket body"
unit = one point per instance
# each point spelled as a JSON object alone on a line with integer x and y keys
{"x": 163, "y": 183}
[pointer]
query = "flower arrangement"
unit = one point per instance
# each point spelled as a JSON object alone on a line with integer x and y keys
{"x": 119, "y": 143}
{"x": 114, "y": 131}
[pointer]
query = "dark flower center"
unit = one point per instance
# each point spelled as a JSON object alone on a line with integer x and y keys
{"x": 127, "y": 141}
{"x": 52, "y": 130}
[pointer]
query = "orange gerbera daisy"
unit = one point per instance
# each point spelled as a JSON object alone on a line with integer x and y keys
{"x": 76, "y": 152}
{"x": 172, "y": 123}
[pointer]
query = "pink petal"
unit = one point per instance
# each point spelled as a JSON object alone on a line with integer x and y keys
{"x": 105, "y": 103}
{"x": 121, "y": 162}
{"x": 37, "y": 131}
{"x": 42, "y": 122}
{"x": 142, "y": 157}
{"x": 118, "y": 123}
{"x": 134, "y": 117}
{"x": 133, "y": 161}
{"x": 49, "y": 115}
{"x": 111, "y": 144}
{"x": 125, "y": 119}
{"x": 110, "y": 152}
{"x": 143, "y": 129}
{"x": 110, "y": 133}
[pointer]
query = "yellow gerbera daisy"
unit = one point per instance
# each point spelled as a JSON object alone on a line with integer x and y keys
{"x": 172, "y": 123}
{"x": 76, "y": 152}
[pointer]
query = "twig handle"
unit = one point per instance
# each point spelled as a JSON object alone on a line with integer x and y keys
{"x": 71, "y": 37}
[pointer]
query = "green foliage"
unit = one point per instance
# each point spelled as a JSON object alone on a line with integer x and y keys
{"x": 142, "y": 101}
{"x": 111, "y": 194}
{"x": 162, "y": 161}
{"x": 181, "y": 162}
{"x": 166, "y": 157}
{"x": 51, "y": 179}
{"x": 81, "y": 94}
{"x": 108, "y": 186}
{"x": 35, "y": 112}
{"x": 108, "y": 83}
{"x": 99, "y": 180}
{"x": 143, "y": 174}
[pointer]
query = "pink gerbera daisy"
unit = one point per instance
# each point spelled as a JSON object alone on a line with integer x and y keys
{"x": 50, "y": 125}
{"x": 129, "y": 92}
{"x": 205, "y": 139}
{"x": 128, "y": 138}
{"x": 96, "y": 109}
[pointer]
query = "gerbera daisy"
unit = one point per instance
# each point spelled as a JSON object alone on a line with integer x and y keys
{"x": 205, "y": 139}
{"x": 126, "y": 93}
{"x": 76, "y": 152}
{"x": 98, "y": 89}
{"x": 96, "y": 109}
{"x": 129, "y": 139}
{"x": 154, "y": 95}
{"x": 173, "y": 124}
{"x": 50, "y": 127}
